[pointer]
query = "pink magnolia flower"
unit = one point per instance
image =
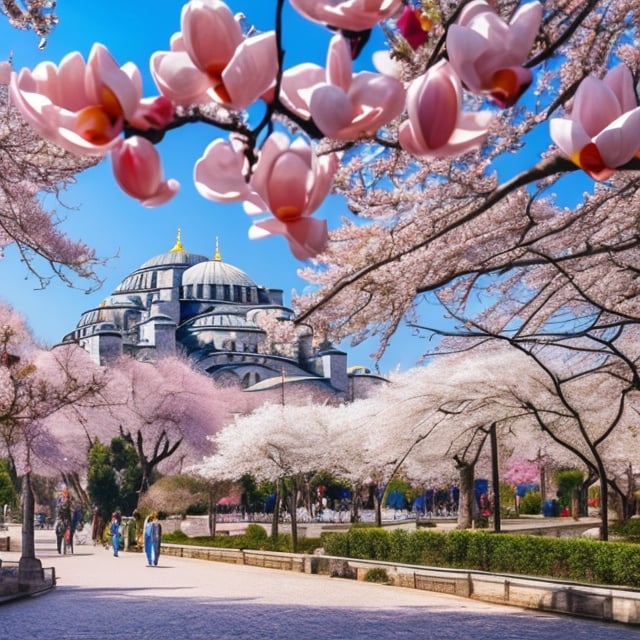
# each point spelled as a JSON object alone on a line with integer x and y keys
{"x": 487, "y": 53}
{"x": 343, "y": 106}
{"x": 83, "y": 107}
{"x": 352, "y": 15}
{"x": 436, "y": 125}
{"x": 288, "y": 181}
{"x": 137, "y": 169}
{"x": 603, "y": 130}
{"x": 211, "y": 60}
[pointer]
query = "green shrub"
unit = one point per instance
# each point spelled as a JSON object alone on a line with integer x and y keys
{"x": 377, "y": 574}
{"x": 531, "y": 503}
{"x": 627, "y": 529}
{"x": 577, "y": 559}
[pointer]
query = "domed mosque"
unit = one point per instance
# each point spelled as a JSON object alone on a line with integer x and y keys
{"x": 209, "y": 310}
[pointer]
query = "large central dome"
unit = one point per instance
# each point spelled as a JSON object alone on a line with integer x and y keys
{"x": 217, "y": 280}
{"x": 216, "y": 272}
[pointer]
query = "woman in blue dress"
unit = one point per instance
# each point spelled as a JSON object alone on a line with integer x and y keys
{"x": 114, "y": 530}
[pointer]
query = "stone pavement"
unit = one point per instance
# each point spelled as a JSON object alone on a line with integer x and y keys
{"x": 101, "y": 596}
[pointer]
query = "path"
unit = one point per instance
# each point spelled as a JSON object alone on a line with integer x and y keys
{"x": 102, "y": 596}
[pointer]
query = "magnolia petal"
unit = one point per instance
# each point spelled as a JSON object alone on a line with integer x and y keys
{"x": 620, "y": 141}
{"x": 524, "y": 28}
{"x": 620, "y": 81}
{"x": 386, "y": 65}
{"x": 339, "y": 64}
{"x": 464, "y": 46}
{"x": 469, "y": 134}
{"x": 251, "y": 70}
{"x": 137, "y": 169}
{"x": 65, "y": 86}
{"x": 210, "y": 34}
{"x": 325, "y": 168}
{"x": 472, "y": 10}
{"x": 595, "y": 106}
{"x": 330, "y": 109}
{"x": 218, "y": 174}
{"x": 273, "y": 146}
{"x": 103, "y": 71}
{"x": 152, "y": 113}
{"x": 307, "y": 237}
{"x": 297, "y": 87}
{"x": 435, "y": 105}
{"x": 568, "y": 135}
{"x": 287, "y": 186}
{"x": 352, "y": 15}
{"x": 376, "y": 90}
{"x": 177, "y": 78}
{"x": 165, "y": 192}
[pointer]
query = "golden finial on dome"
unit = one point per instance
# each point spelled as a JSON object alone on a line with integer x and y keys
{"x": 216, "y": 255}
{"x": 178, "y": 245}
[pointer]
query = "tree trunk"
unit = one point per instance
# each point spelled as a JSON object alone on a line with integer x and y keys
{"x": 212, "y": 515}
{"x": 276, "y": 511}
{"x": 465, "y": 506}
{"x": 604, "y": 503}
{"x": 377, "y": 503}
{"x": 293, "y": 499}
{"x": 495, "y": 477}
{"x": 30, "y": 568}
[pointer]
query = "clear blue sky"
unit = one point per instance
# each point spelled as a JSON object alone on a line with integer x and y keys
{"x": 114, "y": 224}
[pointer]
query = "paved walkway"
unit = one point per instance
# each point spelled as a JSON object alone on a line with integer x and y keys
{"x": 102, "y": 596}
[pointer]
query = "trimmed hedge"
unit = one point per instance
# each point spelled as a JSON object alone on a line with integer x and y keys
{"x": 255, "y": 538}
{"x": 575, "y": 559}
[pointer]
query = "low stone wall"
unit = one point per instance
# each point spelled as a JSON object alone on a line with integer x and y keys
{"x": 602, "y": 603}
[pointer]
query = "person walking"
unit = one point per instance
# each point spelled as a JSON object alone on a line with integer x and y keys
{"x": 114, "y": 530}
{"x": 152, "y": 533}
{"x": 59, "y": 528}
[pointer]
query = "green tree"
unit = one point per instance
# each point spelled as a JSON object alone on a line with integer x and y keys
{"x": 102, "y": 483}
{"x": 8, "y": 494}
{"x": 126, "y": 463}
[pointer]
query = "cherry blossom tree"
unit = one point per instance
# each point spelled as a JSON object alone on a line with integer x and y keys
{"x": 30, "y": 168}
{"x": 423, "y": 150}
{"x": 166, "y": 410}
{"x": 276, "y": 442}
{"x": 417, "y": 147}
{"x": 34, "y": 385}
{"x": 31, "y": 15}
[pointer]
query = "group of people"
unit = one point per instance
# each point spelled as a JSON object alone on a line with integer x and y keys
{"x": 152, "y": 531}
{"x": 69, "y": 520}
